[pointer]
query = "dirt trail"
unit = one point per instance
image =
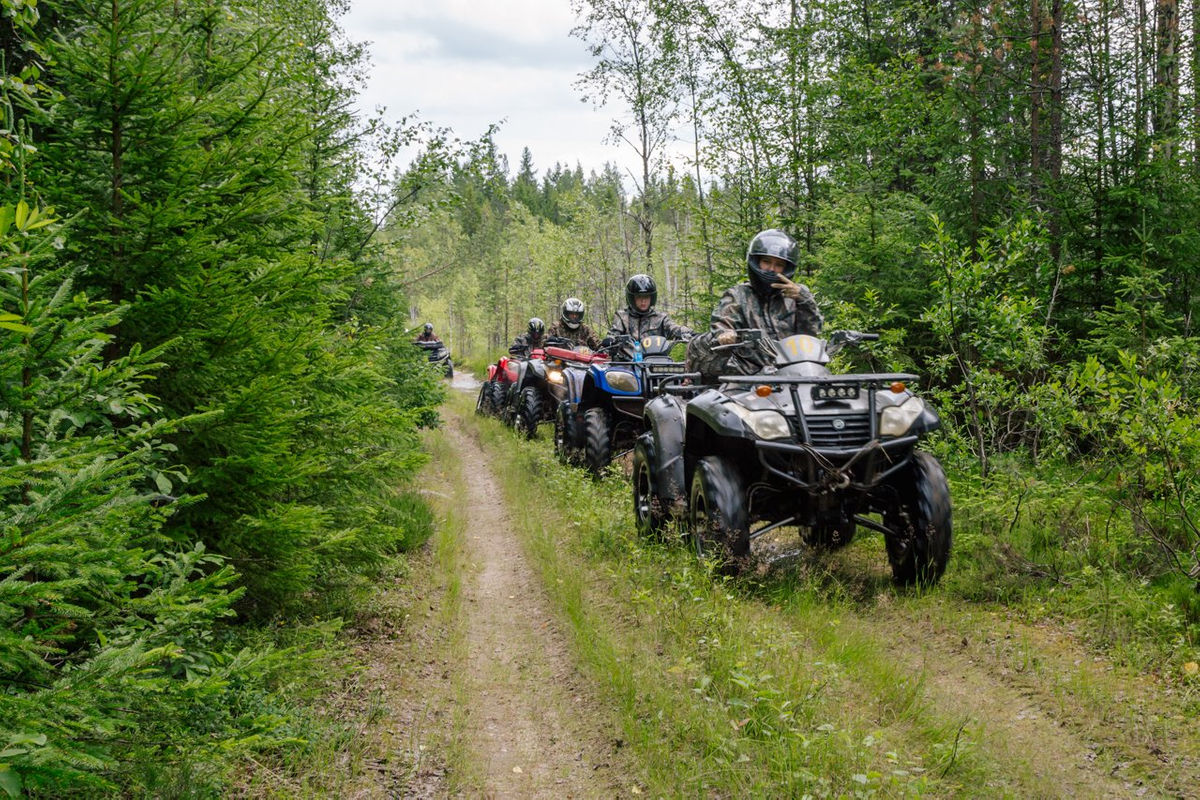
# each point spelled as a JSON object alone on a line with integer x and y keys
{"x": 530, "y": 730}
{"x": 523, "y": 726}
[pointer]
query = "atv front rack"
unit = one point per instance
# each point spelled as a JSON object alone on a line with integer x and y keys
{"x": 859, "y": 466}
{"x": 869, "y": 379}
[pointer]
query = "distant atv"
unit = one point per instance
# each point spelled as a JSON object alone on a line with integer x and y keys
{"x": 438, "y": 354}
{"x": 796, "y": 445}
{"x": 608, "y": 417}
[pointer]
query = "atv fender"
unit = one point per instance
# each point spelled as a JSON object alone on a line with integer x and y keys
{"x": 665, "y": 419}
{"x": 575, "y": 380}
{"x": 709, "y": 407}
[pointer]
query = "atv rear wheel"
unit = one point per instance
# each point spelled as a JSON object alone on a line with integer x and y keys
{"x": 919, "y": 546}
{"x": 566, "y": 435}
{"x": 831, "y": 534}
{"x": 597, "y": 444}
{"x": 649, "y": 508}
{"x": 528, "y": 412}
{"x": 720, "y": 527}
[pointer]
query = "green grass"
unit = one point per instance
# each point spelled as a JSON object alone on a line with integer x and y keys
{"x": 722, "y": 689}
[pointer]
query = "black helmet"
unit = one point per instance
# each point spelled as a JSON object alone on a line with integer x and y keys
{"x": 640, "y": 284}
{"x": 429, "y": 327}
{"x": 773, "y": 242}
{"x": 536, "y": 327}
{"x": 572, "y": 312}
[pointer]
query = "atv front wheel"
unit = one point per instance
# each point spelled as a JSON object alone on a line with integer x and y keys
{"x": 483, "y": 406}
{"x": 649, "y": 511}
{"x": 498, "y": 398}
{"x": 597, "y": 444}
{"x": 919, "y": 545}
{"x": 528, "y": 412}
{"x": 720, "y": 527}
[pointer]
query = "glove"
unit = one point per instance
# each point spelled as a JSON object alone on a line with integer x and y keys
{"x": 727, "y": 337}
{"x": 787, "y": 288}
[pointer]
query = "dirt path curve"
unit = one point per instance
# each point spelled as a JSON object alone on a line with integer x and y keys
{"x": 530, "y": 728}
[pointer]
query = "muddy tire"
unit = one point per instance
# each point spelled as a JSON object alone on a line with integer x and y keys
{"x": 528, "y": 412}
{"x": 919, "y": 547}
{"x": 649, "y": 508}
{"x": 720, "y": 528}
{"x": 597, "y": 440}
{"x": 566, "y": 435}
{"x": 498, "y": 397}
{"x": 449, "y": 370}
{"x": 483, "y": 406}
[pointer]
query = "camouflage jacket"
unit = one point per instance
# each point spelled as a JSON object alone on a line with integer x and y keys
{"x": 526, "y": 342}
{"x": 652, "y": 323}
{"x": 428, "y": 338}
{"x": 580, "y": 336}
{"x": 741, "y": 307}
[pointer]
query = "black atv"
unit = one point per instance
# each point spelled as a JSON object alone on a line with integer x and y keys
{"x": 795, "y": 445}
{"x": 438, "y": 354}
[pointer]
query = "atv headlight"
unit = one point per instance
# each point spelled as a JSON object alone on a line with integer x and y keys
{"x": 554, "y": 376}
{"x": 764, "y": 424}
{"x": 622, "y": 381}
{"x": 897, "y": 420}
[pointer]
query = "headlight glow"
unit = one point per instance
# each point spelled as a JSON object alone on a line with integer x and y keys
{"x": 897, "y": 420}
{"x": 554, "y": 376}
{"x": 764, "y": 424}
{"x": 622, "y": 381}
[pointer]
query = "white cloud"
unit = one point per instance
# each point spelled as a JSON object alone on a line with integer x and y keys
{"x": 466, "y": 64}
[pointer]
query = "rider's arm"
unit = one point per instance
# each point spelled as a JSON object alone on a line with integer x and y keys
{"x": 808, "y": 317}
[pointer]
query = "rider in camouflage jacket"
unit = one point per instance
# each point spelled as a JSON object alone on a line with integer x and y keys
{"x": 570, "y": 325}
{"x": 533, "y": 337}
{"x": 768, "y": 301}
{"x": 642, "y": 322}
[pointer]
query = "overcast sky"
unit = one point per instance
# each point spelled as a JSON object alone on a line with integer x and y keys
{"x": 465, "y": 64}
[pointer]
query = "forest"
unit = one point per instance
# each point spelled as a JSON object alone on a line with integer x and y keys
{"x": 211, "y": 419}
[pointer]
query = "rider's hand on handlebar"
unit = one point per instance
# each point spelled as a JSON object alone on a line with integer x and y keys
{"x": 787, "y": 288}
{"x": 726, "y": 337}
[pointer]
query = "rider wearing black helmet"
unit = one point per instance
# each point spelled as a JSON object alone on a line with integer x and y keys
{"x": 639, "y": 318}
{"x": 427, "y": 334}
{"x": 533, "y": 337}
{"x": 769, "y": 300}
{"x": 570, "y": 325}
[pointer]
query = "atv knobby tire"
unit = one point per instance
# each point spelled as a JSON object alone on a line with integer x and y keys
{"x": 649, "y": 508}
{"x": 597, "y": 442}
{"x": 566, "y": 435}
{"x": 483, "y": 405}
{"x": 499, "y": 397}
{"x": 528, "y": 412}
{"x": 720, "y": 527}
{"x": 919, "y": 546}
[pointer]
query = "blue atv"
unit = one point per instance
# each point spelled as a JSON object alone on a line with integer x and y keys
{"x": 605, "y": 419}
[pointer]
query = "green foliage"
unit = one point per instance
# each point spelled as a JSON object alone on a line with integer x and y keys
{"x": 990, "y": 323}
{"x": 207, "y": 414}
{"x": 103, "y": 622}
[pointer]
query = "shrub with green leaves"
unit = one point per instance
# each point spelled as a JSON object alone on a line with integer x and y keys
{"x": 106, "y": 627}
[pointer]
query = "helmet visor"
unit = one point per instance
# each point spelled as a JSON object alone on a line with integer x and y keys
{"x": 573, "y": 317}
